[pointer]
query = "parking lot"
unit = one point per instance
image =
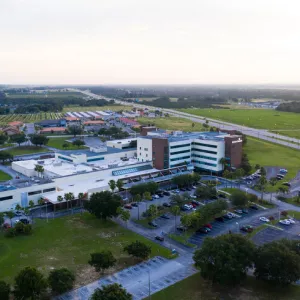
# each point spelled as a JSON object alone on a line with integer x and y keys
{"x": 233, "y": 225}
{"x": 158, "y": 270}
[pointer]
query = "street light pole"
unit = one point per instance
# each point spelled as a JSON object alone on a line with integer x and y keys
{"x": 149, "y": 285}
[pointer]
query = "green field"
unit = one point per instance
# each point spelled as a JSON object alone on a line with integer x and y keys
{"x": 268, "y": 154}
{"x": 4, "y": 176}
{"x": 68, "y": 242}
{"x": 57, "y": 143}
{"x": 195, "y": 288}
{"x": 94, "y": 108}
{"x": 256, "y": 118}
{"x": 27, "y": 150}
{"x": 171, "y": 123}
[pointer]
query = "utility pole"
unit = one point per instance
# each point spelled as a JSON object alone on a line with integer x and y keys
{"x": 149, "y": 285}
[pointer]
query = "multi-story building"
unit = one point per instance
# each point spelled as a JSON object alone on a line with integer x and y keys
{"x": 202, "y": 149}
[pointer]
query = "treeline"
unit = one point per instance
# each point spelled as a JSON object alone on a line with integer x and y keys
{"x": 41, "y": 104}
{"x": 290, "y": 107}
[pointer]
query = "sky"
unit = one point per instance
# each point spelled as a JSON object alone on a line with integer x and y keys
{"x": 149, "y": 41}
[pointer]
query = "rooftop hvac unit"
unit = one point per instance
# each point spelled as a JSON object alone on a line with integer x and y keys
{"x": 57, "y": 164}
{"x": 112, "y": 165}
{"x": 41, "y": 162}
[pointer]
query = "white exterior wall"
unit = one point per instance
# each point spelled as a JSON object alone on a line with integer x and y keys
{"x": 119, "y": 144}
{"x": 144, "y": 149}
{"x": 71, "y": 180}
{"x": 220, "y": 153}
{"x": 180, "y": 155}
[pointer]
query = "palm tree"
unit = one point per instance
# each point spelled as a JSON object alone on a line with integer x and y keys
{"x": 67, "y": 197}
{"x": 112, "y": 185}
{"x": 18, "y": 207}
{"x": 138, "y": 198}
{"x": 10, "y": 215}
{"x": 60, "y": 198}
{"x": 119, "y": 184}
{"x": 80, "y": 197}
{"x": 272, "y": 181}
{"x": 261, "y": 185}
{"x": 175, "y": 210}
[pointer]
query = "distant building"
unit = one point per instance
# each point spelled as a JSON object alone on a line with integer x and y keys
{"x": 17, "y": 124}
{"x": 52, "y": 123}
{"x": 128, "y": 122}
{"x": 11, "y": 130}
{"x": 53, "y": 130}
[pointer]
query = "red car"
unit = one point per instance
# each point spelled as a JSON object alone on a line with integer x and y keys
{"x": 208, "y": 226}
{"x": 128, "y": 206}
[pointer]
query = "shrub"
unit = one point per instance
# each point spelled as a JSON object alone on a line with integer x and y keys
{"x": 27, "y": 229}
{"x": 19, "y": 227}
{"x": 10, "y": 232}
{"x": 284, "y": 213}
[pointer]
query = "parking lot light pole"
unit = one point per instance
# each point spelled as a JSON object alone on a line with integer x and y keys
{"x": 238, "y": 226}
{"x": 149, "y": 285}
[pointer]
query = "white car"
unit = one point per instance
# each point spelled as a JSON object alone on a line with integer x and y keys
{"x": 291, "y": 221}
{"x": 155, "y": 196}
{"x": 193, "y": 196}
{"x": 285, "y": 222}
{"x": 264, "y": 219}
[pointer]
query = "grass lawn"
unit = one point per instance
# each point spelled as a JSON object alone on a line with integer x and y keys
{"x": 195, "y": 288}
{"x": 6, "y": 145}
{"x": 49, "y": 95}
{"x": 93, "y": 108}
{"x": 269, "y": 154}
{"x": 295, "y": 214}
{"x": 171, "y": 123}
{"x": 256, "y": 118}
{"x": 57, "y": 143}
{"x": 294, "y": 200}
{"x": 68, "y": 242}
{"x": 183, "y": 238}
{"x": 4, "y": 176}
{"x": 27, "y": 150}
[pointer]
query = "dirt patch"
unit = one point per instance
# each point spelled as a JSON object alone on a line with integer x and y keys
{"x": 78, "y": 223}
{"x": 108, "y": 235}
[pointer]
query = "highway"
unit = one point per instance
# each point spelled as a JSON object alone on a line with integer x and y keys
{"x": 253, "y": 132}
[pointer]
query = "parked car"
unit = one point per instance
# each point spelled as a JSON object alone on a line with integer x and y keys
{"x": 180, "y": 228}
{"x": 183, "y": 189}
{"x": 6, "y": 225}
{"x": 203, "y": 230}
{"x": 286, "y": 184}
{"x": 134, "y": 204}
{"x": 238, "y": 211}
{"x": 177, "y": 191}
{"x": 188, "y": 189}
{"x": 128, "y": 206}
{"x": 165, "y": 204}
{"x": 18, "y": 213}
{"x": 160, "y": 238}
{"x": 196, "y": 202}
{"x": 285, "y": 222}
{"x": 166, "y": 193}
{"x": 155, "y": 196}
{"x": 264, "y": 219}
{"x": 245, "y": 211}
{"x": 254, "y": 207}
{"x": 219, "y": 219}
{"x": 221, "y": 195}
{"x": 153, "y": 224}
{"x": 164, "y": 216}
{"x": 284, "y": 171}
{"x": 193, "y": 196}
{"x": 292, "y": 221}
{"x": 193, "y": 187}
{"x": 208, "y": 226}
{"x": 227, "y": 216}
{"x": 246, "y": 228}
{"x": 24, "y": 221}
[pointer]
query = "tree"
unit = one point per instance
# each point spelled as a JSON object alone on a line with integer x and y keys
{"x": 1, "y": 221}
{"x": 103, "y": 204}
{"x": 175, "y": 210}
{"x": 39, "y": 140}
{"x": 263, "y": 171}
{"x": 262, "y": 185}
{"x": 147, "y": 196}
{"x": 225, "y": 259}
{"x": 113, "y": 291}
{"x": 137, "y": 198}
{"x": 10, "y": 215}
{"x": 60, "y": 198}
{"x": 138, "y": 249}
{"x": 29, "y": 283}
{"x": 238, "y": 198}
{"x": 272, "y": 182}
{"x": 257, "y": 167}
{"x": 18, "y": 207}
{"x": 278, "y": 261}
{"x": 119, "y": 184}
{"x": 78, "y": 143}
{"x": 124, "y": 214}
{"x": 74, "y": 130}
{"x": 112, "y": 185}
{"x": 102, "y": 260}
{"x": 66, "y": 145}
{"x": 223, "y": 162}
{"x": 31, "y": 203}
{"x": 18, "y": 138}
{"x": 39, "y": 169}
{"x": 4, "y": 155}
{"x": 4, "y": 290}
{"x": 3, "y": 138}
{"x": 61, "y": 280}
